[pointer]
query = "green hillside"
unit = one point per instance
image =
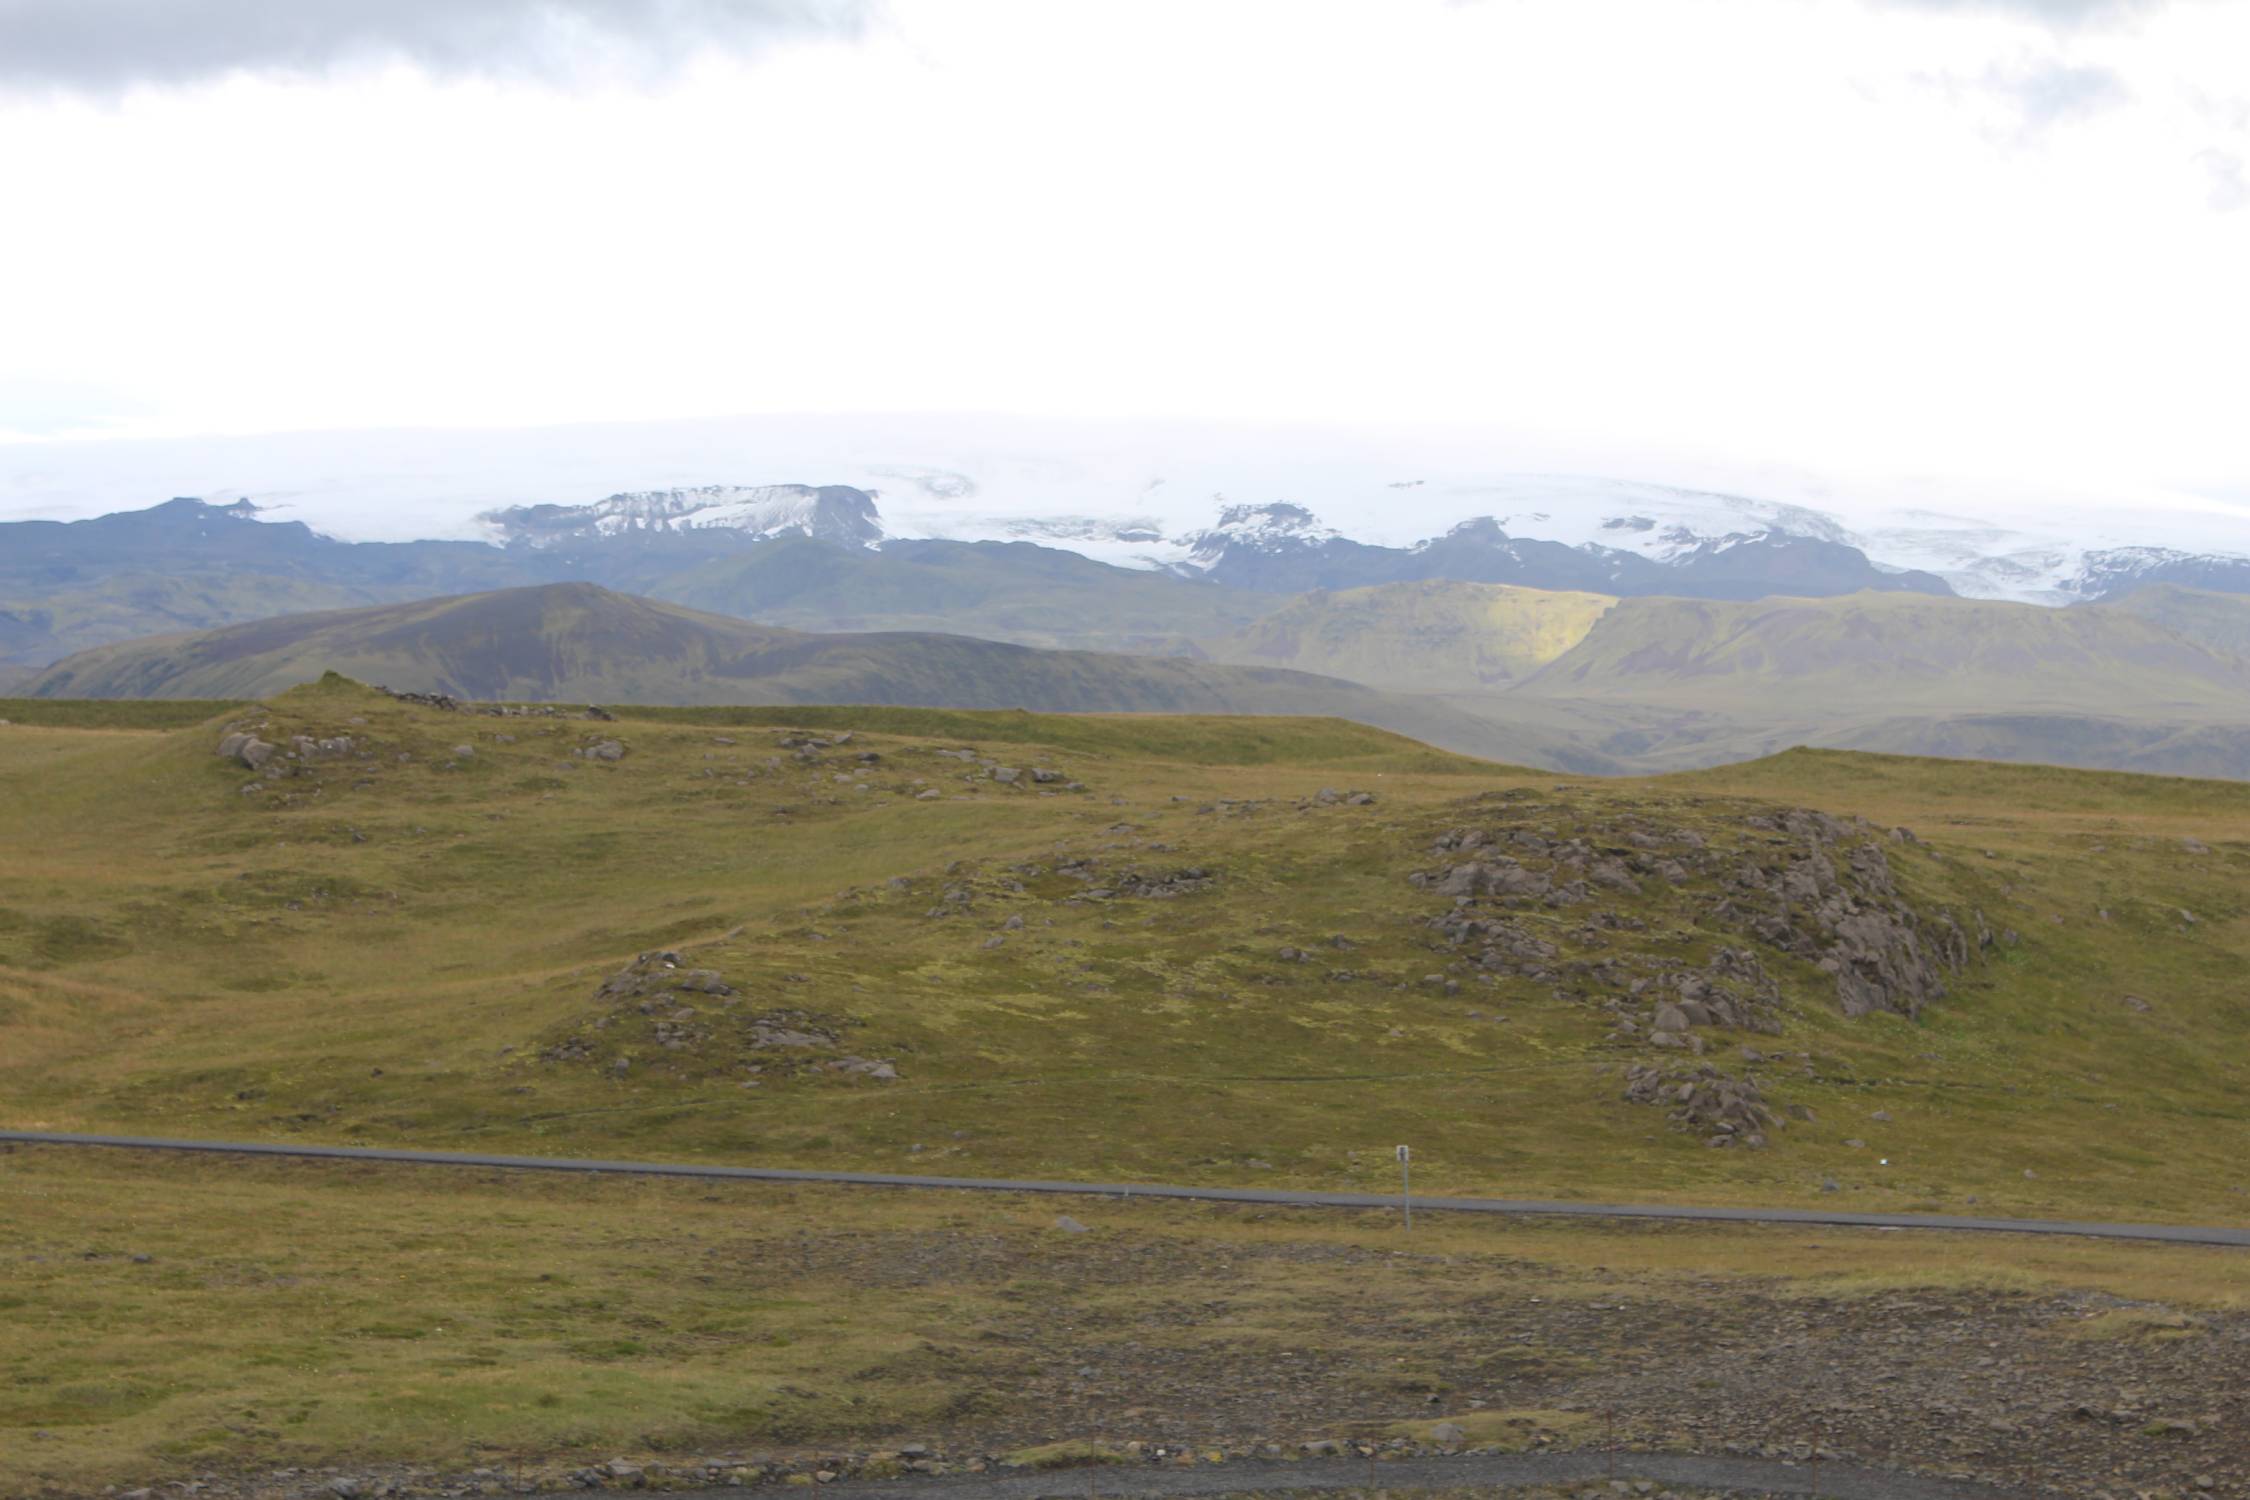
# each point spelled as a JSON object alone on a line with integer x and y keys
{"x": 1892, "y": 653}
{"x": 1603, "y": 687}
{"x": 1577, "y": 682}
{"x": 1668, "y": 683}
{"x": 131, "y": 605}
{"x": 1427, "y": 637}
{"x": 1189, "y": 951}
{"x": 2219, "y": 621}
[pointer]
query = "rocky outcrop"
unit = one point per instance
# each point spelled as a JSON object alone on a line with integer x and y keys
{"x": 1104, "y": 885}
{"x": 1821, "y": 887}
{"x": 447, "y": 703}
{"x": 1724, "y": 1110}
{"x": 253, "y": 753}
{"x": 1683, "y": 933}
{"x": 995, "y": 773}
{"x": 1809, "y": 884}
{"x": 1501, "y": 946}
{"x": 693, "y": 1020}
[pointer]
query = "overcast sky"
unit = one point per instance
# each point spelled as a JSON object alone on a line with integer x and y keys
{"x": 2001, "y": 240}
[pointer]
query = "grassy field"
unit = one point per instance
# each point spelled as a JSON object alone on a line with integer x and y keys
{"x": 1129, "y": 970}
{"x": 109, "y": 713}
{"x": 167, "y": 1318}
{"x": 409, "y": 948}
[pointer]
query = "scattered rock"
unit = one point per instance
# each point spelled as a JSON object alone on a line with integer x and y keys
{"x": 1729, "y": 1111}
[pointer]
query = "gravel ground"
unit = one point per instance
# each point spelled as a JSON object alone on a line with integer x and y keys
{"x": 1536, "y": 1476}
{"x": 2002, "y": 1388}
{"x": 1195, "y": 1363}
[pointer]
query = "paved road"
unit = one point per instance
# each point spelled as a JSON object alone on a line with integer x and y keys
{"x": 2182, "y": 1234}
{"x": 1738, "y": 1475}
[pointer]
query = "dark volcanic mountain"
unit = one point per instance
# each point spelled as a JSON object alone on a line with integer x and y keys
{"x": 1011, "y": 591}
{"x": 187, "y": 565}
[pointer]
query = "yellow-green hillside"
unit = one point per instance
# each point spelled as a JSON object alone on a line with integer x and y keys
{"x": 1434, "y": 636}
{"x": 1893, "y": 653}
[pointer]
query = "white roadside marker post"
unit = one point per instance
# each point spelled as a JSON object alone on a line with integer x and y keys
{"x": 1405, "y": 1186}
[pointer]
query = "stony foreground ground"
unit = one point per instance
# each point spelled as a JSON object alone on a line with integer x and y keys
{"x": 1126, "y": 1347}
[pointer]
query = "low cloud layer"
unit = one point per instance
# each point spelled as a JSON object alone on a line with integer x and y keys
{"x": 2059, "y": 13}
{"x": 107, "y": 45}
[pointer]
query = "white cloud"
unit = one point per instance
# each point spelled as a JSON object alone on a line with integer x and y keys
{"x": 2230, "y": 186}
{"x": 2062, "y": 14}
{"x": 1751, "y": 233}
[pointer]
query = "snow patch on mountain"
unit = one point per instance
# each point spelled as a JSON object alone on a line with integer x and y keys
{"x": 1272, "y": 527}
{"x": 1660, "y": 522}
{"x": 831, "y": 513}
{"x": 1135, "y": 494}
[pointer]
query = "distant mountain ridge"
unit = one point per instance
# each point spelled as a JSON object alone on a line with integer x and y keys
{"x": 820, "y": 558}
{"x": 190, "y": 565}
{"x": 578, "y": 642}
{"x": 1283, "y": 548}
{"x": 1583, "y": 683}
{"x": 1133, "y": 492}
{"x": 2158, "y": 681}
